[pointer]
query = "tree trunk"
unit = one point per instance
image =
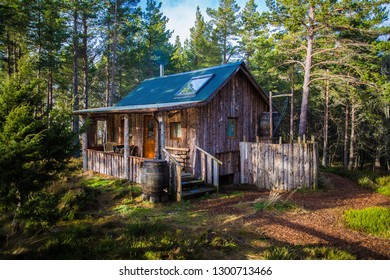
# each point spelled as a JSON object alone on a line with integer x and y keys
{"x": 49, "y": 91}
{"x": 108, "y": 77}
{"x": 75, "y": 80}
{"x": 113, "y": 66}
{"x": 9, "y": 59}
{"x": 306, "y": 80}
{"x": 85, "y": 58}
{"x": 292, "y": 104}
{"x": 352, "y": 143}
{"x": 345, "y": 162}
{"x": 326, "y": 124}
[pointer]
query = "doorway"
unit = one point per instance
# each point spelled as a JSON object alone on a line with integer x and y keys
{"x": 149, "y": 136}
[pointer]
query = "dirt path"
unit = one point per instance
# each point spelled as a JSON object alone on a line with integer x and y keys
{"x": 317, "y": 222}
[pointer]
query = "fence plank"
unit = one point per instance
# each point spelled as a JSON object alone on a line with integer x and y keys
{"x": 280, "y": 166}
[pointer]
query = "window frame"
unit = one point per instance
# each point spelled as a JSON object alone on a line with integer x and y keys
{"x": 229, "y": 119}
{"x": 173, "y": 128}
{"x": 180, "y": 94}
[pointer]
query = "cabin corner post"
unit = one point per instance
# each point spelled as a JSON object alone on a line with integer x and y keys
{"x": 161, "y": 134}
{"x": 84, "y": 144}
{"x": 126, "y": 139}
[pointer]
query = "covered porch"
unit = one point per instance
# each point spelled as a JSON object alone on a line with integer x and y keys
{"x": 118, "y": 143}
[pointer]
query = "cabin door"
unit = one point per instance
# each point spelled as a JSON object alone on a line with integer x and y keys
{"x": 149, "y": 136}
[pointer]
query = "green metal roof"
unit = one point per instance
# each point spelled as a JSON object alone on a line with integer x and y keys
{"x": 166, "y": 92}
{"x": 165, "y": 89}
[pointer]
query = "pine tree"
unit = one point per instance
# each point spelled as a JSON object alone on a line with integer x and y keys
{"x": 225, "y": 27}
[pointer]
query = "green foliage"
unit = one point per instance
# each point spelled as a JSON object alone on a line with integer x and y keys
{"x": 39, "y": 212}
{"x": 225, "y": 27}
{"x": 371, "y": 220}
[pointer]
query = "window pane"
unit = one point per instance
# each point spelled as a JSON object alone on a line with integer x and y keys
{"x": 232, "y": 127}
{"x": 194, "y": 85}
{"x": 175, "y": 130}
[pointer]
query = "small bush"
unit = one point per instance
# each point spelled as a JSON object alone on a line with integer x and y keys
{"x": 371, "y": 220}
{"x": 383, "y": 185}
{"x": 367, "y": 182}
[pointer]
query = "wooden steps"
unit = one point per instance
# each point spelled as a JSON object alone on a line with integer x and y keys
{"x": 192, "y": 187}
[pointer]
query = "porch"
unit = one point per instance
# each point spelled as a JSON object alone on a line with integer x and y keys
{"x": 181, "y": 184}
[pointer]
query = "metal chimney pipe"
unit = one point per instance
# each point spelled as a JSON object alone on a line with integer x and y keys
{"x": 161, "y": 70}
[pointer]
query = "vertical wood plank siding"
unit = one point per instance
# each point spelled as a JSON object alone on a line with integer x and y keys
{"x": 113, "y": 165}
{"x": 206, "y": 126}
{"x": 279, "y": 166}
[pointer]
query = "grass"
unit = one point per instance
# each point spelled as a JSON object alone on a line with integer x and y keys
{"x": 371, "y": 220}
{"x": 275, "y": 202}
{"x": 306, "y": 253}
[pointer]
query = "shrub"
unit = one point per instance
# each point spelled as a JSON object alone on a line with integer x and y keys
{"x": 383, "y": 185}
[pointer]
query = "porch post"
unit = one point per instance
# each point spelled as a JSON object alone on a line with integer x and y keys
{"x": 85, "y": 144}
{"x": 161, "y": 134}
{"x": 126, "y": 146}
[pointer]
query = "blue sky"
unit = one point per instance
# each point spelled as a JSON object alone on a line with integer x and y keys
{"x": 181, "y": 13}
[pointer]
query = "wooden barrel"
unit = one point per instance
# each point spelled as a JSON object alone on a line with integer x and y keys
{"x": 155, "y": 177}
{"x": 264, "y": 125}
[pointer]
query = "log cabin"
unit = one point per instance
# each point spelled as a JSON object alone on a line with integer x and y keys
{"x": 194, "y": 120}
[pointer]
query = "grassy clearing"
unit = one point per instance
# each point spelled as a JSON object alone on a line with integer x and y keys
{"x": 371, "y": 220}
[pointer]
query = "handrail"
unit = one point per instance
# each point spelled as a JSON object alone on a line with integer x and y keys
{"x": 175, "y": 176}
{"x": 209, "y": 166}
{"x": 209, "y": 155}
{"x": 172, "y": 158}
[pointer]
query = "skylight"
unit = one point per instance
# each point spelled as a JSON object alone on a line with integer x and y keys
{"x": 193, "y": 86}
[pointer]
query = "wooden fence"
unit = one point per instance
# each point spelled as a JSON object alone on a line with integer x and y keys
{"x": 279, "y": 166}
{"x": 113, "y": 164}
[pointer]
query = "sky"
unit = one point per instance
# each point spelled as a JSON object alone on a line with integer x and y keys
{"x": 181, "y": 13}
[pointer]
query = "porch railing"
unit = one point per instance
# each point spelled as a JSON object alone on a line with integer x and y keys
{"x": 113, "y": 164}
{"x": 175, "y": 171}
{"x": 209, "y": 166}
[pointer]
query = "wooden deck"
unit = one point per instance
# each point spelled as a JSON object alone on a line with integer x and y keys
{"x": 182, "y": 185}
{"x": 113, "y": 164}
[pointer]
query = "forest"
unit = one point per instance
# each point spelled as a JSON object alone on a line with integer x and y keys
{"x": 58, "y": 56}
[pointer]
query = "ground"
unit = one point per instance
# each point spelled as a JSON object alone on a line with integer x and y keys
{"x": 103, "y": 218}
{"x": 317, "y": 220}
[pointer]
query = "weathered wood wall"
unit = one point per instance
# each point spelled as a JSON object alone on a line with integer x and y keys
{"x": 206, "y": 126}
{"x": 113, "y": 165}
{"x": 279, "y": 166}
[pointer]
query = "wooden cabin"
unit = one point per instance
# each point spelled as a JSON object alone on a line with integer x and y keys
{"x": 195, "y": 120}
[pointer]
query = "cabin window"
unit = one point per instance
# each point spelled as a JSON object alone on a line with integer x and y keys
{"x": 101, "y": 132}
{"x": 175, "y": 128}
{"x": 193, "y": 86}
{"x": 232, "y": 127}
